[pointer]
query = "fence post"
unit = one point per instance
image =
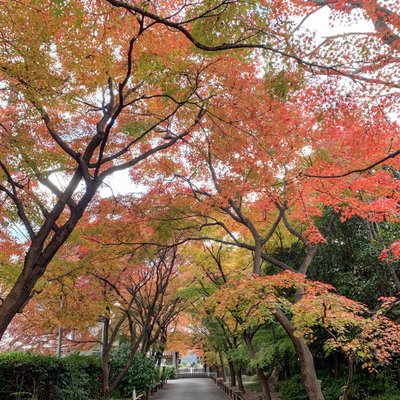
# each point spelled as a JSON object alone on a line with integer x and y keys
{"x": 134, "y": 394}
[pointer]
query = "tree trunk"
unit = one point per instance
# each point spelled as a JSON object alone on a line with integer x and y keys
{"x": 42, "y": 252}
{"x": 239, "y": 378}
{"x": 264, "y": 383}
{"x": 221, "y": 360}
{"x": 262, "y": 379}
{"x": 105, "y": 367}
{"x": 395, "y": 277}
{"x": 307, "y": 260}
{"x": 311, "y": 383}
{"x": 232, "y": 373}
{"x": 257, "y": 261}
{"x": 346, "y": 388}
{"x": 19, "y": 294}
{"x": 160, "y": 352}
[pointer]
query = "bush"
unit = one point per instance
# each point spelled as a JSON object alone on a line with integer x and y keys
{"x": 75, "y": 377}
{"x": 293, "y": 389}
{"x": 142, "y": 374}
{"x": 29, "y": 376}
{"x": 168, "y": 372}
{"x": 364, "y": 387}
{"x": 332, "y": 387}
{"x": 32, "y": 376}
{"x": 380, "y": 386}
{"x": 390, "y": 396}
{"x": 82, "y": 377}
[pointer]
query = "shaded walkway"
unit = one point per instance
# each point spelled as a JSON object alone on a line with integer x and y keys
{"x": 190, "y": 389}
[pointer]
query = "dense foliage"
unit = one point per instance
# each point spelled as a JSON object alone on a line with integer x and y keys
{"x": 167, "y": 372}
{"x": 142, "y": 375}
{"x": 264, "y": 154}
{"x": 351, "y": 259}
{"x": 74, "y": 377}
{"x": 364, "y": 387}
{"x": 25, "y": 375}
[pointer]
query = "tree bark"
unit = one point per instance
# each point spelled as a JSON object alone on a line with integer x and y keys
{"x": 240, "y": 378}
{"x": 310, "y": 380}
{"x": 264, "y": 384}
{"x": 395, "y": 277}
{"x": 262, "y": 379}
{"x": 232, "y": 373}
{"x": 257, "y": 261}
{"x": 221, "y": 360}
{"x": 19, "y": 295}
{"x": 40, "y": 255}
{"x": 346, "y": 388}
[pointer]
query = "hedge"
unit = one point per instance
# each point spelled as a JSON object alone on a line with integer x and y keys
{"x": 39, "y": 377}
{"x": 26, "y": 376}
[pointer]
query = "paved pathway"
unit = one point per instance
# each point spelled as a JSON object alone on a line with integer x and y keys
{"x": 190, "y": 388}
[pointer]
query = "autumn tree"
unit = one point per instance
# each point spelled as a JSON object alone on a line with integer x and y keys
{"x": 247, "y": 196}
{"x": 262, "y": 138}
{"x": 147, "y": 306}
{"x": 107, "y": 300}
{"x": 97, "y": 99}
{"x": 363, "y": 336}
{"x": 213, "y": 266}
{"x": 82, "y": 96}
{"x": 245, "y": 187}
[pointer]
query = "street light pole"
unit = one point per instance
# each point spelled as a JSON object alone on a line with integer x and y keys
{"x": 60, "y": 332}
{"x": 59, "y": 342}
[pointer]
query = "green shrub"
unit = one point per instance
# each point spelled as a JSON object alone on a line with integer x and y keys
{"x": 168, "y": 372}
{"x": 39, "y": 377}
{"x": 332, "y": 387}
{"x": 364, "y": 387}
{"x": 30, "y": 376}
{"x": 142, "y": 374}
{"x": 82, "y": 377}
{"x": 367, "y": 386}
{"x": 293, "y": 389}
{"x": 75, "y": 377}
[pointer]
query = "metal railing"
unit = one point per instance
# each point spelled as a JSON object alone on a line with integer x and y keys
{"x": 233, "y": 394}
{"x": 193, "y": 373}
{"x": 153, "y": 390}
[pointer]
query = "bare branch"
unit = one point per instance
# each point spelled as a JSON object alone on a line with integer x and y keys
{"x": 354, "y": 171}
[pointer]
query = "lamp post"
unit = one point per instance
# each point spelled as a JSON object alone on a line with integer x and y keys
{"x": 60, "y": 332}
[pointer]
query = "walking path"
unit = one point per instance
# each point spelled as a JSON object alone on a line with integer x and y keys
{"x": 191, "y": 388}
